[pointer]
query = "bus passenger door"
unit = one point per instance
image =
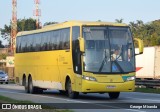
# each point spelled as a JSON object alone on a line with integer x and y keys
{"x": 64, "y": 64}
{"x": 64, "y": 58}
{"x": 76, "y": 58}
{"x": 77, "y": 66}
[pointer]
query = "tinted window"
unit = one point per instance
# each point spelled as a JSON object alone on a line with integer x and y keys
{"x": 29, "y": 43}
{"x": 47, "y": 41}
{"x": 53, "y": 40}
{"x": 65, "y": 37}
{"x": 23, "y": 44}
{"x": 57, "y": 38}
{"x": 38, "y": 42}
{"x": 17, "y": 44}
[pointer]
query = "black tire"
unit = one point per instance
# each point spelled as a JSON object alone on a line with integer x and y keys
{"x": 32, "y": 89}
{"x": 25, "y": 84}
{"x": 6, "y": 82}
{"x": 1, "y": 82}
{"x": 71, "y": 94}
{"x": 39, "y": 90}
{"x": 26, "y": 87}
{"x": 114, "y": 95}
{"x": 62, "y": 92}
{"x": 24, "y": 81}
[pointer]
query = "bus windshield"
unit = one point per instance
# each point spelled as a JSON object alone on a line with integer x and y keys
{"x": 108, "y": 50}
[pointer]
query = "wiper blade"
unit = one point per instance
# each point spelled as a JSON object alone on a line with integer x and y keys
{"x": 103, "y": 62}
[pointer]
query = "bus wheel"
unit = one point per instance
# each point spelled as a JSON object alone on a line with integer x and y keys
{"x": 114, "y": 95}
{"x": 62, "y": 92}
{"x": 32, "y": 89}
{"x": 71, "y": 94}
{"x": 24, "y": 81}
{"x": 39, "y": 90}
{"x": 26, "y": 87}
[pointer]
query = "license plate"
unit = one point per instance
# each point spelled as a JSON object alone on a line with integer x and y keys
{"x": 111, "y": 87}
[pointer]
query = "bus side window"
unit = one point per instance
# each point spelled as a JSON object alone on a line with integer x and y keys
{"x": 50, "y": 42}
{"x": 24, "y": 42}
{"x": 17, "y": 44}
{"x": 29, "y": 44}
{"x": 64, "y": 40}
{"x": 43, "y": 41}
{"x": 37, "y": 43}
{"x": 57, "y": 39}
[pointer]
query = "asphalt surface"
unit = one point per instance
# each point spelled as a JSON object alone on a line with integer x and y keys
{"x": 127, "y": 102}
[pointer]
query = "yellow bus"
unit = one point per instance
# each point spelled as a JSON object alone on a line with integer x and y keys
{"x": 77, "y": 56}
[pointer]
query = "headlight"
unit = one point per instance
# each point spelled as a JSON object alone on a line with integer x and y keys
{"x": 89, "y": 78}
{"x": 6, "y": 77}
{"x": 131, "y": 78}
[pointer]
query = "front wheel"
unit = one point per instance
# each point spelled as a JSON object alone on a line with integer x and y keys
{"x": 114, "y": 95}
{"x": 71, "y": 94}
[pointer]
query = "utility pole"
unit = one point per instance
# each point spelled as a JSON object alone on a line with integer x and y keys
{"x": 13, "y": 25}
{"x": 37, "y": 13}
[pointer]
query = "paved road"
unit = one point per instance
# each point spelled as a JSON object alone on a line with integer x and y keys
{"x": 97, "y": 101}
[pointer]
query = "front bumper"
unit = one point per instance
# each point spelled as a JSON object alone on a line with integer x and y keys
{"x": 3, "y": 80}
{"x": 91, "y": 86}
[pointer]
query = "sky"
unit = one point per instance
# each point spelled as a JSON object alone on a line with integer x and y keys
{"x": 90, "y": 10}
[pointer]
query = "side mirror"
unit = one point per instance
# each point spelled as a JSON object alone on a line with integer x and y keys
{"x": 140, "y": 45}
{"x": 81, "y": 44}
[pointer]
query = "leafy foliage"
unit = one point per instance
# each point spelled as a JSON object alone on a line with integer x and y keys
{"x": 1, "y": 45}
{"x": 22, "y": 25}
{"x": 26, "y": 24}
{"x": 119, "y": 20}
{"x": 3, "y": 56}
{"x": 49, "y": 23}
{"x": 6, "y": 32}
{"x": 149, "y": 32}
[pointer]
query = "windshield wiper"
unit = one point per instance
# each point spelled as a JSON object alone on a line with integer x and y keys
{"x": 103, "y": 62}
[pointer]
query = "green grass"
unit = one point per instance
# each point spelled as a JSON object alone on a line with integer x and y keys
{"x": 10, "y": 100}
{"x": 148, "y": 90}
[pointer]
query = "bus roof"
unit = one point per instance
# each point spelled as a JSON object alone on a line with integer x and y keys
{"x": 68, "y": 24}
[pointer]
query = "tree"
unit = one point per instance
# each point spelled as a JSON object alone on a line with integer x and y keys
{"x": 149, "y": 32}
{"x": 140, "y": 23}
{"x": 5, "y": 33}
{"x": 22, "y": 25}
{"x": 49, "y": 23}
{"x": 1, "y": 45}
{"x": 119, "y": 20}
{"x": 3, "y": 56}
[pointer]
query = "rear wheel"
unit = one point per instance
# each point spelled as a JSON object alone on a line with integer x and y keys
{"x": 39, "y": 90}
{"x": 114, "y": 95}
{"x": 24, "y": 81}
{"x": 26, "y": 88}
{"x": 32, "y": 89}
{"x": 25, "y": 84}
{"x": 71, "y": 94}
